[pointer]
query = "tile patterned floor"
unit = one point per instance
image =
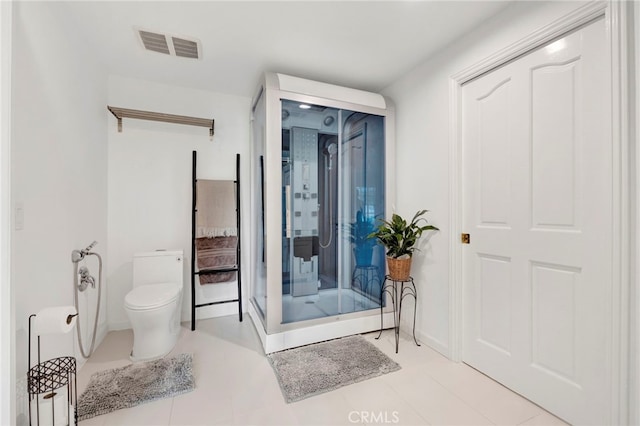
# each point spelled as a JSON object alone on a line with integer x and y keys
{"x": 235, "y": 385}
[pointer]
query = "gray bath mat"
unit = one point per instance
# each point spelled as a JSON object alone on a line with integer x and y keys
{"x": 135, "y": 384}
{"x": 322, "y": 367}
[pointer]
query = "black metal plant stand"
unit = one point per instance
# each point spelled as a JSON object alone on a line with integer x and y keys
{"x": 398, "y": 290}
{"x": 48, "y": 377}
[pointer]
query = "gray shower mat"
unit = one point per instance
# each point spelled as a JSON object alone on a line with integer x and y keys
{"x": 322, "y": 367}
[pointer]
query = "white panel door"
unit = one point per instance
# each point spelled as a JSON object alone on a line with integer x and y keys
{"x": 537, "y": 161}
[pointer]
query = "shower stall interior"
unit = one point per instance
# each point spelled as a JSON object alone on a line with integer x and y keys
{"x": 321, "y": 179}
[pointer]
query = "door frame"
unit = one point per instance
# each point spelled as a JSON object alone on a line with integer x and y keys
{"x": 7, "y": 317}
{"x": 615, "y": 14}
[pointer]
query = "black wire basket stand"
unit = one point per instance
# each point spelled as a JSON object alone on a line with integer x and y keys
{"x": 47, "y": 377}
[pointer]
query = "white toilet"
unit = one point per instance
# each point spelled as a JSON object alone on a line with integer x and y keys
{"x": 154, "y": 303}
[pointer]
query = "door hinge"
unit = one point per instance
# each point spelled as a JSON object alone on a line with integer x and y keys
{"x": 465, "y": 238}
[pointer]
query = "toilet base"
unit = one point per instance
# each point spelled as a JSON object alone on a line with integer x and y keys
{"x": 150, "y": 357}
{"x": 151, "y": 346}
{"x": 155, "y": 331}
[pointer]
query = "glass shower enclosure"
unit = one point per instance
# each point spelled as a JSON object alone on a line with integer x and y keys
{"x": 320, "y": 181}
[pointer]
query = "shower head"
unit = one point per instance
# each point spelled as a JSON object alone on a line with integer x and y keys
{"x": 331, "y": 149}
{"x": 328, "y": 120}
{"x": 78, "y": 255}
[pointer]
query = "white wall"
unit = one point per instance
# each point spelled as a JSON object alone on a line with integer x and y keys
{"x": 150, "y": 182}
{"x": 7, "y": 373}
{"x": 634, "y": 373}
{"x": 58, "y": 169}
{"x": 422, "y": 111}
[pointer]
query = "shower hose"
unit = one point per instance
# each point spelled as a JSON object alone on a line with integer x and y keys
{"x": 324, "y": 246}
{"x": 75, "y": 293}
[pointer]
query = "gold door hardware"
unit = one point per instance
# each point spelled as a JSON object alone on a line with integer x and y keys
{"x": 465, "y": 238}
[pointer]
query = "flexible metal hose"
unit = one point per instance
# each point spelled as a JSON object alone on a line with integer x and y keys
{"x": 324, "y": 246}
{"x": 75, "y": 294}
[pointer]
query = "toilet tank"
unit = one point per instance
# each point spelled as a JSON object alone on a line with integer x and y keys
{"x": 162, "y": 266}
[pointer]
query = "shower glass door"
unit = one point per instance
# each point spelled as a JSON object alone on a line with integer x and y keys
{"x": 259, "y": 281}
{"x": 362, "y": 202}
{"x": 332, "y": 194}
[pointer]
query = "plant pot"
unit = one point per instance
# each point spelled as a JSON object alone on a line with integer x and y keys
{"x": 363, "y": 255}
{"x": 399, "y": 269}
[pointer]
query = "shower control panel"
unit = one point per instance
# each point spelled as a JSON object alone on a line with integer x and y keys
{"x": 304, "y": 182}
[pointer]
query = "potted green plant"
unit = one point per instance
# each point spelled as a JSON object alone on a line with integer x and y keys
{"x": 400, "y": 238}
{"x": 358, "y": 234}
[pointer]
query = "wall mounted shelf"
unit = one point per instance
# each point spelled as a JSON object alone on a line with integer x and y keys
{"x": 121, "y": 113}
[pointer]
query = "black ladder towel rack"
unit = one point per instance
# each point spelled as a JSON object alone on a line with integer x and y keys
{"x": 237, "y": 268}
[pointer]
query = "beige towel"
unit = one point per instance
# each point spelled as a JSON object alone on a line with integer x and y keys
{"x": 216, "y": 205}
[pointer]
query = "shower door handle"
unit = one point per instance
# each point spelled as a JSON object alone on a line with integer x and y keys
{"x": 287, "y": 213}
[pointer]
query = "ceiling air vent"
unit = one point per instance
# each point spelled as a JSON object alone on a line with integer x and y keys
{"x": 170, "y": 44}
{"x": 185, "y": 48}
{"x": 155, "y": 42}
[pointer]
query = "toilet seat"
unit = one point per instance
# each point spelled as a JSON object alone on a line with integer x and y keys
{"x": 151, "y": 296}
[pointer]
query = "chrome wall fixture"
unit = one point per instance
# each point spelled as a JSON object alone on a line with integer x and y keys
{"x": 80, "y": 285}
{"x": 85, "y": 279}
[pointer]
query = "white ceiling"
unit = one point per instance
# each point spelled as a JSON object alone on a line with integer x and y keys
{"x": 361, "y": 44}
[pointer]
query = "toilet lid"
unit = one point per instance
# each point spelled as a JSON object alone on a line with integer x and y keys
{"x": 151, "y": 295}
